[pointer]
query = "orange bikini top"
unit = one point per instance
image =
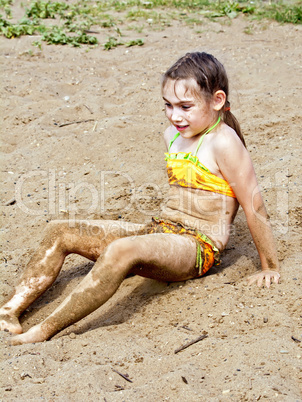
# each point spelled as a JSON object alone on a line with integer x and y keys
{"x": 185, "y": 170}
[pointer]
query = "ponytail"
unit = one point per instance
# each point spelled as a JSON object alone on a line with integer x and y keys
{"x": 231, "y": 121}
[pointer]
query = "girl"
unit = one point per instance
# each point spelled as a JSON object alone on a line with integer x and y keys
{"x": 210, "y": 174}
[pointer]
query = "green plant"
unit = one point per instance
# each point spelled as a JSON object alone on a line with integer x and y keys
{"x": 73, "y": 20}
{"x": 45, "y": 9}
{"x": 138, "y": 29}
{"x": 107, "y": 24}
{"x": 192, "y": 21}
{"x": 37, "y": 43}
{"x": 5, "y": 6}
{"x": 58, "y": 37}
{"x": 112, "y": 43}
{"x": 5, "y": 3}
{"x": 286, "y": 13}
{"x": 25, "y": 27}
{"x": 137, "y": 42}
{"x": 248, "y": 30}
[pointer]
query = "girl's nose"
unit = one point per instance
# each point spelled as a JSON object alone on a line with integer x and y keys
{"x": 176, "y": 116}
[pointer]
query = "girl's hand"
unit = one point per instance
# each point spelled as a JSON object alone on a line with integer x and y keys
{"x": 266, "y": 275}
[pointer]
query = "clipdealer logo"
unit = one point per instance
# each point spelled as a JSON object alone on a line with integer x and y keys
{"x": 64, "y": 197}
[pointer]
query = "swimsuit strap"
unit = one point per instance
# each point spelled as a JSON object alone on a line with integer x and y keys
{"x": 200, "y": 140}
{"x": 171, "y": 142}
{"x": 207, "y": 132}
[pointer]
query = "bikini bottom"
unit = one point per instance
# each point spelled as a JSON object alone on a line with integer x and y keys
{"x": 207, "y": 254}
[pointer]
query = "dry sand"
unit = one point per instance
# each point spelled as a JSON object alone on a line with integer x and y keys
{"x": 253, "y": 349}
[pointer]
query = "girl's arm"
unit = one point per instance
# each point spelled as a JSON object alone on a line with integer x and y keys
{"x": 236, "y": 166}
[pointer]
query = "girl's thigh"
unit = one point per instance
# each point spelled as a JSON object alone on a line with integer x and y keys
{"x": 108, "y": 229}
{"x": 166, "y": 257}
{"x": 89, "y": 238}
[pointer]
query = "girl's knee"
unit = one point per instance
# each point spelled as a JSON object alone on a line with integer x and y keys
{"x": 121, "y": 252}
{"x": 55, "y": 233}
{"x": 55, "y": 227}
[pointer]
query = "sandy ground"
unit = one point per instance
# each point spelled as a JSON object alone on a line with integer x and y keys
{"x": 112, "y": 166}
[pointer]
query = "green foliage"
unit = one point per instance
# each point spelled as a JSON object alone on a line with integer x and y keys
{"x": 5, "y": 3}
{"x": 248, "y": 30}
{"x": 5, "y": 6}
{"x": 228, "y": 9}
{"x": 37, "y": 43}
{"x": 71, "y": 26}
{"x": 193, "y": 21}
{"x": 279, "y": 11}
{"x": 58, "y": 37}
{"x": 25, "y": 27}
{"x": 112, "y": 43}
{"x": 45, "y": 9}
{"x": 178, "y": 4}
{"x": 73, "y": 20}
{"x": 137, "y": 42}
{"x": 139, "y": 13}
{"x": 52, "y": 34}
{"x": 107, "y": 24}
{"x": 285, "y": 13}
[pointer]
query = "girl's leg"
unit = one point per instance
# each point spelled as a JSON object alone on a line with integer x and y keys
{"x": 167, "y": 257}
{"x": 85, "y": 238}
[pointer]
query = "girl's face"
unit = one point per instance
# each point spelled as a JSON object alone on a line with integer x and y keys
{"x": 189, "y": 113}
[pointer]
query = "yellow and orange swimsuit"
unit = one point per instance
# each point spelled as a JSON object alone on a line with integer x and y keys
{"x": 185, "y": 170}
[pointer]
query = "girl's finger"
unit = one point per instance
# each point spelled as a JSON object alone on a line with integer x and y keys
{"x": 268, "y": 280}
{"x": 259, "y": 281}
{"x": 250, "y": 280}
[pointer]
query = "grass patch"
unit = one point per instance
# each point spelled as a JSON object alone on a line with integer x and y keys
{"x": 56, "y": 36}
{"x": 284, "y": 13}
{"x": 111, "y": 43}
{"x": 61, "y": 23}
{"x": 41, "y": 9}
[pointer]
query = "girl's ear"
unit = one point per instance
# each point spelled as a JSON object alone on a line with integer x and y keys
{"x": 219, "y": 99}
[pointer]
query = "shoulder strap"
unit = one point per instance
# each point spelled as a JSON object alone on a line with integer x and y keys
{"x": 200, "y": 140}
{"x": 202, "y": 137}
{"x": 174, "y": 138}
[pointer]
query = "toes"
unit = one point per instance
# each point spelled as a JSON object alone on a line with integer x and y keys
{"x": 10, "y": 324}
{"x": 33, "y": 335}
{"x": 16, "y": 340}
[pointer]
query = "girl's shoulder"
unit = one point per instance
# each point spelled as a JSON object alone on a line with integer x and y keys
{"x": 226, "y": 138}
{"x": 229, "y": 151}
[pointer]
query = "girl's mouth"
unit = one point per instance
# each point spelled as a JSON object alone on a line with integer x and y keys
{"x": 181, "y": 128}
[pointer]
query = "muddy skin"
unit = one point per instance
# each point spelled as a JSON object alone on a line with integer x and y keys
{"x": 10, "y": 323}
{"x": 272, "y": 264}
{"x": 209, "y": 213}
{"x": 173, "y": 260}
{"x": 264, "y": 238}
{"x": 86, "y": 239}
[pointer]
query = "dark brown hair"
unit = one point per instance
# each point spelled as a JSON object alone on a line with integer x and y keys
{"x": 210, "y": 76}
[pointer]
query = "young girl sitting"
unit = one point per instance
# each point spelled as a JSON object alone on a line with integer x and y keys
{"x": 210, "y": 173}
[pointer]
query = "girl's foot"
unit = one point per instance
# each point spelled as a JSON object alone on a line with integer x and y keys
{"x": 33, "y": 335}
{"x": 9, "y": 323}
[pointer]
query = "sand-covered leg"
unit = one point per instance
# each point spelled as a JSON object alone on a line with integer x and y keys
{"x": 166, "y": 257}
{"x": 39, "y": 274}
{"x": 87, "y": 238}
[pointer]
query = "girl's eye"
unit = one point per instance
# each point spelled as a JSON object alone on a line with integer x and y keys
{"x": 168, "y": 105}
{"x": 186, "y": 107}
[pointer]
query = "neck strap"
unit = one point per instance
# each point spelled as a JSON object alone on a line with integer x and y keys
{"x": 201, "y": 138}
{"x": 203, "y": 135}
